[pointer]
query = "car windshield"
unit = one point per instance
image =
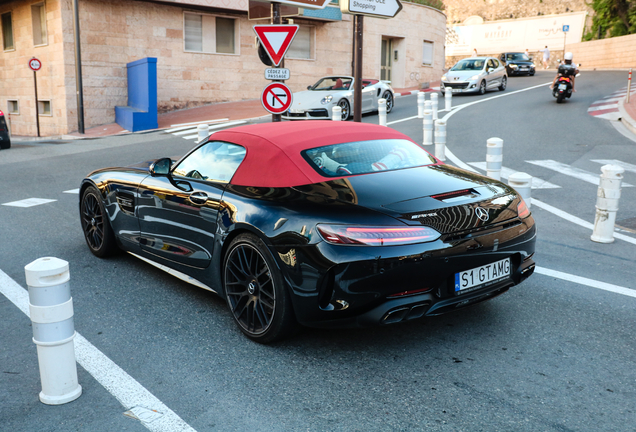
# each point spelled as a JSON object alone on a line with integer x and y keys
{"x": 517, "y": 57}
{"x": 365, "y": 157}
{"x": 469, "y": 65}
{"x": 332, "y": 83}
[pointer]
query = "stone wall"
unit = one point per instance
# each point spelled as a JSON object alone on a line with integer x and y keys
{"x": 490, "y": 10}
{"x": 614, "y": 53}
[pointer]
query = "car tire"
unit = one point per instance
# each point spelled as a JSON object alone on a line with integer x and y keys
{"x": 346, "y": 109}
{"x": 388, "y": 96}
{"x": 482, "y": 87}
{"x": 255, "y": 291}
{"x": 5, "y": 144}
{"x": 98, "y": 233}
{"x": 504, "y": 83}
{"x": 531, "y": 74}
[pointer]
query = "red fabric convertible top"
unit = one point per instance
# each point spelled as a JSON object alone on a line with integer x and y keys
{"x": 273, "y": 156}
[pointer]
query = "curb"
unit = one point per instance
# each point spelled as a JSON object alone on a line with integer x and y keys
{"x": 629, "y": 122}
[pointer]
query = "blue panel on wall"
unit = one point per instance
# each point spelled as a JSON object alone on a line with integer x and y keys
{"x": 328, "y": 13}
{"x": 141, "y": 112}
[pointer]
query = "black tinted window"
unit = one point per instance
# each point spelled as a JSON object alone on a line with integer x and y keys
{"x": 215, "y": 161}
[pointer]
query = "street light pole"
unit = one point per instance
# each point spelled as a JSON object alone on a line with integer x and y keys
{"x": 357, "y": 78}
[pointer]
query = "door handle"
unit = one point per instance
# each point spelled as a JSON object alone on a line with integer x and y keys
{"x": 198, "y": 198}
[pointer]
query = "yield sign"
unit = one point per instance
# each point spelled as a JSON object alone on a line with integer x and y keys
{"x": 276, "y": 98}
{"x": 276, "y": 39}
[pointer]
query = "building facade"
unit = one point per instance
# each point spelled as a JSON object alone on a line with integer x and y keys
{"x": 205, "y": 52}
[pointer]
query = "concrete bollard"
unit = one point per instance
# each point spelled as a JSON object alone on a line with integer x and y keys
{"x": 203, "y": 131}
{"x": 522, "y": 183}
{"x": 434, "y": 104}
{"x": 336, "y": 113}
{"x": 51, "y": 308}
{"x": 420, "y": 104}
{"x": 440, "y": 140}
{"x": 382, "y": 112}
{"x": 607, "y": 196}
{"x": 494, "y": 157}
{"x": 428, "y": 128}
{"x": 448, "y": 99}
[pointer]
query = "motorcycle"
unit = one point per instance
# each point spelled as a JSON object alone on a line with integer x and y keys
{"x": 562, "y": 88}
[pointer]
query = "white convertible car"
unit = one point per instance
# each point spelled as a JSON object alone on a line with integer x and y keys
{"x": 319, "y": 99}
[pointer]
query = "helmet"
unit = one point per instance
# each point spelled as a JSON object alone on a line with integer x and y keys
{"x": 568, "y": 56}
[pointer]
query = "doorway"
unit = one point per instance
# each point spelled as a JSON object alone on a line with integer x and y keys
{"x": 386, "y": 60}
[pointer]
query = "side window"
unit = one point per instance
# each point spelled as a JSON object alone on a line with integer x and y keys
{"x": 214, "y": 161}
{"x": 427, "y": 53}
{"x": 7, "y": 31}
{"x": 302, "y": 47}
{"x": 495, "y": 63}
{"x": 210, "y": 34}
{"x": 38, "y": 19}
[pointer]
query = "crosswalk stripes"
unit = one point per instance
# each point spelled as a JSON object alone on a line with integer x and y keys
{"x": 607, "y": 108}
{"x": 571, "y": 171}
{"x": 626, "y": 166}
{"x": 537, "y": 183}
{"x": 190, "y": 131}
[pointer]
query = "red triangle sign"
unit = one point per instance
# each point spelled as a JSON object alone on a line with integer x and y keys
{"x": 276, "y": 39}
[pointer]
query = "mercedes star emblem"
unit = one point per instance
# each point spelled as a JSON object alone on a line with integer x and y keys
{"x": 481, "y": 213}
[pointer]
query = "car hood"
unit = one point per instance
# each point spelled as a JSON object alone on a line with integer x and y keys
{"x": 462, "y": 75}
{"x": 311, "y": 99}
{"x": 440, "y": 196}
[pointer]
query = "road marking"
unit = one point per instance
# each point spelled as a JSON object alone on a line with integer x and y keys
{"x": 568, "y": 170}
{"x": 29, "y": 202}
{"x": 626, "y": 166}
{"x": 537, "y": 183}
{"x": 585, "y": 281}
{"x": 125, "y": 388}
{"x": 200, "y": 122}
{"x": 72, "y": 191}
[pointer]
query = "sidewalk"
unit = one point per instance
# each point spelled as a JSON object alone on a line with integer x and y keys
{"x": 243, "y": 110}
{"x": 628, "y": 113}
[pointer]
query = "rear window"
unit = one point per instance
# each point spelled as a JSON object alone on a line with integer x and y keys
{"x": 365, "y": 157}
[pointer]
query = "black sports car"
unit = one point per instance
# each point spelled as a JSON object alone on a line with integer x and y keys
{"x": 517, "y": 63}
{"x": 323, "y": 225}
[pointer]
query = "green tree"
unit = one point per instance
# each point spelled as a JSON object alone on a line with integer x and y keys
{"x": 612, "y": 18}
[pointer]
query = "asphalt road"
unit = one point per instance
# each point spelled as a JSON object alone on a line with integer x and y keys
{"x": 550, "y": 355}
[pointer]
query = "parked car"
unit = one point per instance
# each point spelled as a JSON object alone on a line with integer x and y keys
{"x": 319, "y": 99}
{"x": 475, "y": 75}
{"x": 5, "y": 138}
{"x": 517, "y": 63}
{"x": 296, "y": 222}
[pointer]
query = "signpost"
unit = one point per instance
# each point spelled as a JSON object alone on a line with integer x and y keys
{"x": 276, "y": 98}
{"x": 566, "y": 29}
{"x": 359, "y": 8}
{"x": 35, "y": 65}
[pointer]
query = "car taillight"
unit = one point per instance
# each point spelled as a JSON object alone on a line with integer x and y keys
{"x": 522, "y": 209}
{"x": 376, "y": 236}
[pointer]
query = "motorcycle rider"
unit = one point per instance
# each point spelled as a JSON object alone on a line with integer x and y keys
{"x": 567, "y": 69}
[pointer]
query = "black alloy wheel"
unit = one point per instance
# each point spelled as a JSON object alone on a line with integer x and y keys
{"x": 255, "y": 292}
{"x": 388, "y": 96}
{"x": 482, "y": 87}
{"x": 95, "y": 224}
{"x": 344, "y": 106}
{"x": 504, "y": 83}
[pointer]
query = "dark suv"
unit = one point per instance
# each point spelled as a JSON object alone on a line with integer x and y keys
{"x": 5, "y": 139}
{"x": 517, "y": 63}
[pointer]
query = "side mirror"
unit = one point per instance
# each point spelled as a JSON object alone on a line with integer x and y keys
{"x": 308, "y": 87}
{"x": 491, "y": 70}
{"x": 161, "y": 167}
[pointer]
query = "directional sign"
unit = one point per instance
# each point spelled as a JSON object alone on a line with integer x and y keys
{"x": 309, "y": 4}
{"x": 276, "y": 98}
{"x": 276, "y": 39}
{"x": 35, "y": 64}
{"x": 374, "y": 8}
{"x": 566, "y": 28}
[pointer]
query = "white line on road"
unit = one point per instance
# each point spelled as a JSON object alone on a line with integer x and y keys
{"x": 585, "y": 281}
{"x": 537, "y": 183}
{"x": 626, "y": 166}
{"x": 125, "y": 388}
{"x": 568, "y": 170}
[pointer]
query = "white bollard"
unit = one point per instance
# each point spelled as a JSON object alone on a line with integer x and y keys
{"x": 382, "y": 112}
{"x": 51, "y": 309}
{"x": 522, "y": 183}
{"x": 494, "y": 157}
{"x": 440, "y": 140}
{"x": 434, "y": 104}
{"x": 420, "y": 104}
{"x": 428, "y": 128}
{"x": 203, "y": 131}
{"x": 336, "y": 113}
{"x": 607, "y": 196}
{"x": 448, "y": 99}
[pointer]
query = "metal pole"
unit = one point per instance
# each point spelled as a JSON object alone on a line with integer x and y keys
{"x": 357, "y": 91}
{"x": 78, "y": 68}
{"x": 629, "y": 86}
{"x": 37, "y": 110}
{"x": 276, "y": 20}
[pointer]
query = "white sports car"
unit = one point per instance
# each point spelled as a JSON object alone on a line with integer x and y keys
{"x": 319, "y": 99}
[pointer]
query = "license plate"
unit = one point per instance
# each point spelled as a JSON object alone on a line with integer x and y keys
{"x": 296, "y": 111}
{"x": 483, "y": 276}
{"x": 523, "y": 69}
{"x": 562, "y": 86}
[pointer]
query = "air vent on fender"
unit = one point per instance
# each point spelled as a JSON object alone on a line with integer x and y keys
{"x": 126, "y": 202}
{"x": 456, "y": 195}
